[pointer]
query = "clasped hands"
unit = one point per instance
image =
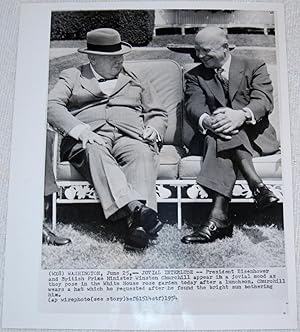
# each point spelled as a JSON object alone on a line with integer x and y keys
{"x": 225, "y": 122}
{"x": 88, "y": 136}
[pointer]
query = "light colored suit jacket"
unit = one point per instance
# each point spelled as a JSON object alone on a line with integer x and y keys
{"x": 249, "y": 85}
{"x": 77, "y": 99}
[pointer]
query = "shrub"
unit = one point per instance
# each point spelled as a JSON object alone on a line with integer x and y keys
{"x": 135, "y": 26}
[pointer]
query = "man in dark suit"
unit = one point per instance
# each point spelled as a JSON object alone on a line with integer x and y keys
{"x": 113, "y": 123}
{"x": 228, "y": 99}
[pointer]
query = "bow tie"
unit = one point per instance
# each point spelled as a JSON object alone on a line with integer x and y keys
{"x": 101, "y": 80}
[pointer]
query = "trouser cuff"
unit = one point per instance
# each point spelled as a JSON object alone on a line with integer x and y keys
{"x": 213, "y": 186}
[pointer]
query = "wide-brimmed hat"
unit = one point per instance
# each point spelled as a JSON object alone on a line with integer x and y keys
{"x": 105, "y": 41}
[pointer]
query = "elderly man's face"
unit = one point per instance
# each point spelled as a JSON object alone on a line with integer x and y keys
{"x": 108, "y": 66}
{"x": 211, "y": 52}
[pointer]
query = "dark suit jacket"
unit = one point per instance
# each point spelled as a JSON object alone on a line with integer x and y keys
{"x": 249, "y": 85}
{"x": 77, "y": 99}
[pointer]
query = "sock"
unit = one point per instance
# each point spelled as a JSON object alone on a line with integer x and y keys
{"x": 220, "y": 208}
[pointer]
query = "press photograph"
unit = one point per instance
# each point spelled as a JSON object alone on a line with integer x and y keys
{"x": 167, "y": 140}
{"x": 159, "y": 193}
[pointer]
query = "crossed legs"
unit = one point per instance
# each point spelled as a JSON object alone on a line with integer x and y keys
{"x": 218, "y": 175}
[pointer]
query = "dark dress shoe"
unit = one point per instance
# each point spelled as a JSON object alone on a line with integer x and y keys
{"x": 143, "y": 225}
{"x": 148, "y": 219}
{"x": 51, "y": 238}
{"x": 136, "y": 238}
{"x": 209, "y": 232}
{"x": 264, "y": 197}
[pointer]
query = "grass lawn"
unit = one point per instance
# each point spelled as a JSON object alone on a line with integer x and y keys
{"x": 94, "y": 247}
{"x": 236, "y": 39}
{"x": 258, "y": 240}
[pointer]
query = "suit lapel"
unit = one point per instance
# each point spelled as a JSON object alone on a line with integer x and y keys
{"x": 89, "y": 82}
{"x": 236, "y": 73}
{"x": 121, "y": 82}
{"x": 216, "y": 88}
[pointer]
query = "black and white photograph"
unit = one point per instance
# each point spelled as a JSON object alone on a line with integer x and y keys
{"x": 163, "y": 169}
{"x": 144, "y": 216}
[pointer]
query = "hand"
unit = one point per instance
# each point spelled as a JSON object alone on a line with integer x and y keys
{"x": 227, "y": 120}
{"x": 208, "y": 123}
{"x": 88, "y": 136}
{"x": 150, "y": 134}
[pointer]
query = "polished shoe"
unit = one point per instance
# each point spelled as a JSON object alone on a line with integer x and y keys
{"x": 148, "y": 219}
{"x": 51, "y": 238}
{"x": 264, "y": 197}
{"x": 210, "y": 231}
{"x": 136, "y": 239}
{"x": 143, "y": 225}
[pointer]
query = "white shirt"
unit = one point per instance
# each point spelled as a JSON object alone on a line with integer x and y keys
{"x": 108, "y": 86}
{"x": 247, "y": 110}
{"x": 226, "y": 67}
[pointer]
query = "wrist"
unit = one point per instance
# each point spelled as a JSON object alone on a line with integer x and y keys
{"x": 202, "y": 119}
{"x": 244, "y": 115}
{"x": 77, "y": 131}
{"x": 247, "y": 114}
{"x": 206, "y": 122}
{"x": 83, "y": 133}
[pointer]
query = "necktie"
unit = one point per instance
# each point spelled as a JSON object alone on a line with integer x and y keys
{"x": 224, "y": 81}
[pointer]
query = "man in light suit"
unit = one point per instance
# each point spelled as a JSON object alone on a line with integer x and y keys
{"x": 113, "y": 124}
{"x": 228, "y": 100}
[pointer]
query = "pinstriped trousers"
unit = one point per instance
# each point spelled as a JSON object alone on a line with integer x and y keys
{"x": 123, "y": 170}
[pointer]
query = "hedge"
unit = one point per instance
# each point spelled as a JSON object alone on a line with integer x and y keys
{"x": 135, "y": 26}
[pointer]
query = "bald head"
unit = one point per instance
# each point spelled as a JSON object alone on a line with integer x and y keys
{"x": 211, "y": 45}
{"x": 212, "y": 34}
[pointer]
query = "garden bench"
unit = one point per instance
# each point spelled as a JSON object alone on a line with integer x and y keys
{"x": 178, "y": 169}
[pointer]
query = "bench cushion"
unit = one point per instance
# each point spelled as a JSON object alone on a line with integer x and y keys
{"x": 166, "y": 78}
{"x": 267, "y": 167}
{"x": 170, "y": 157}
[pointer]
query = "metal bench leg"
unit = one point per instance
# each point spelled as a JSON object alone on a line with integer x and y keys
{"x": 179, "y": 212}
{"x": 54, "y": 211}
